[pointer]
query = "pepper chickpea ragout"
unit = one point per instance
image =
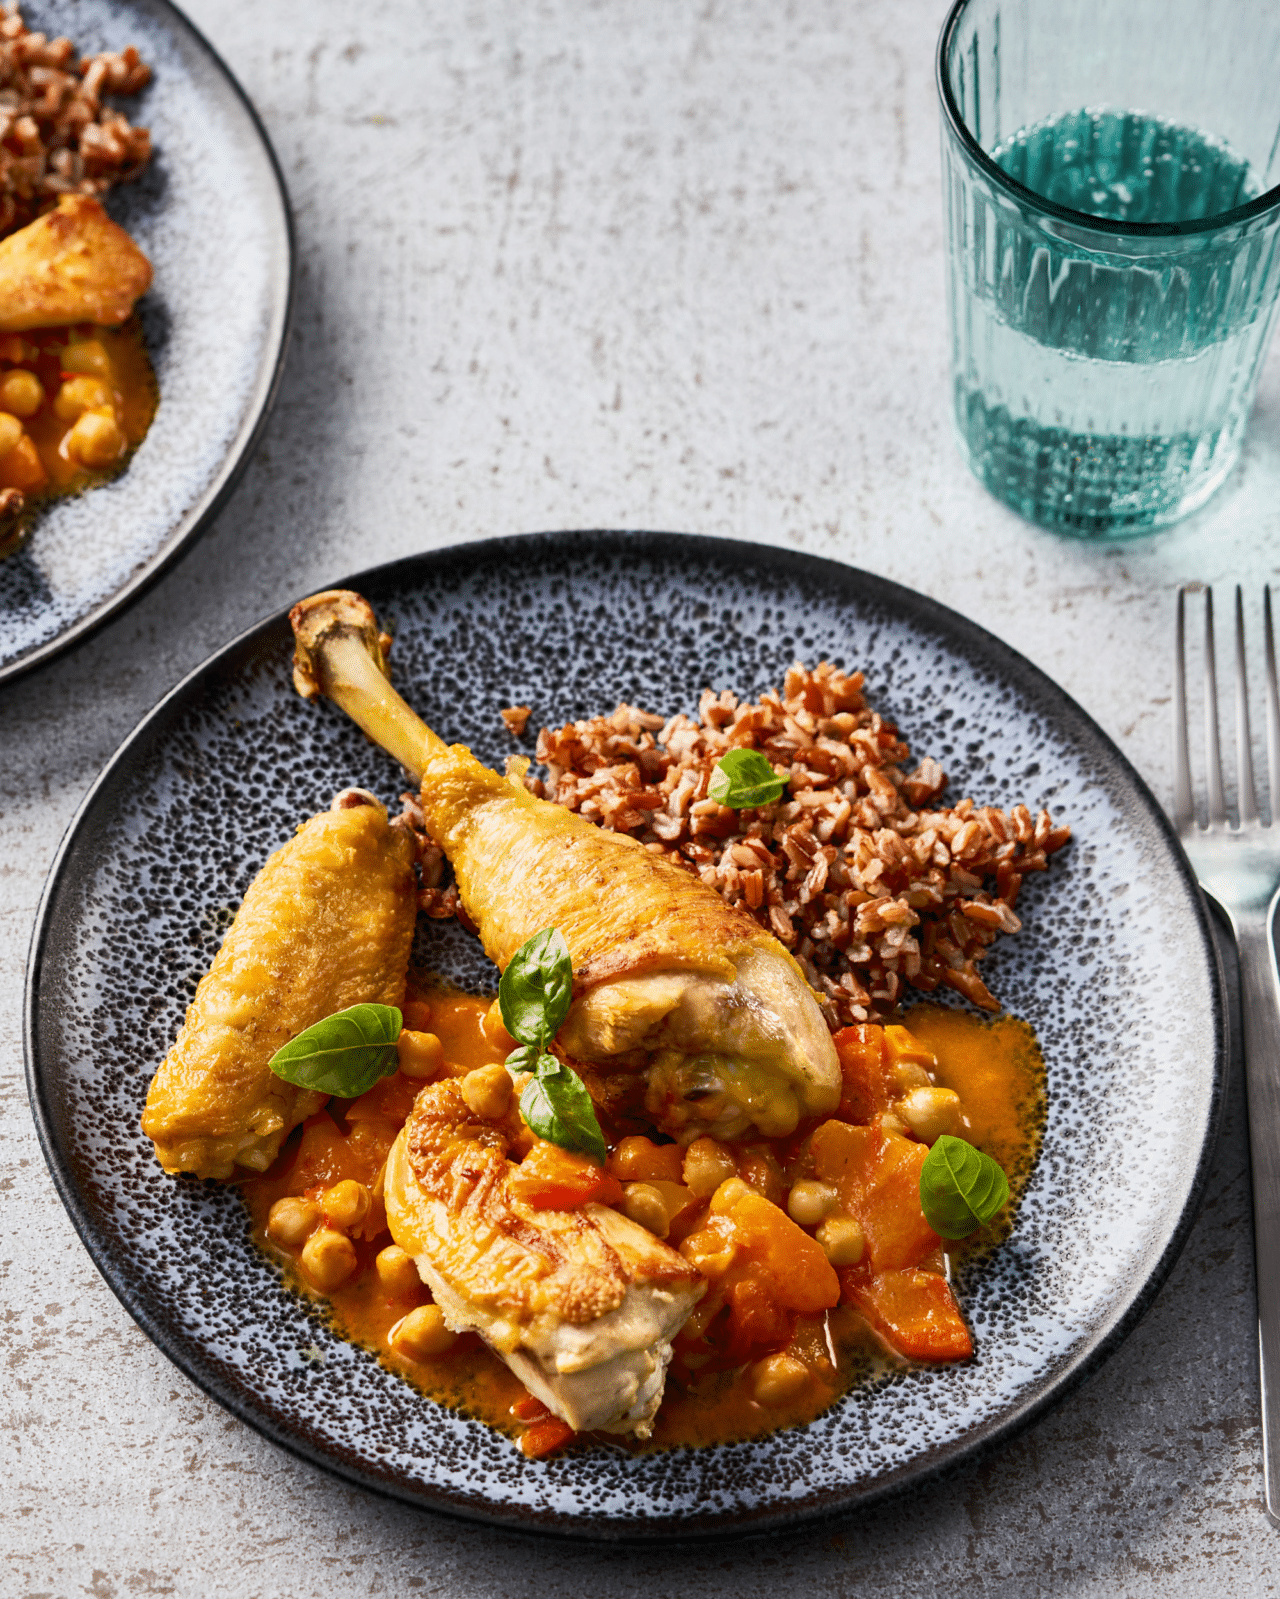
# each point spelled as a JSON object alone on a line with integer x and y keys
{"x": 771, "y": 1225}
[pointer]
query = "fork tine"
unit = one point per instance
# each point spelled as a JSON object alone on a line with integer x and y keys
{"x": 1273, "y": 708}
{"x": 1246, "y": 797}
{"x": 1184, "y": 808}
{"x": 1212, "y": 748}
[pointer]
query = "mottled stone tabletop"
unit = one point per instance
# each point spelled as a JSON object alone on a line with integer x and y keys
{"x": 593, "y": 263}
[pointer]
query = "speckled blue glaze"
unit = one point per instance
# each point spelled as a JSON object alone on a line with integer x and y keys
{"x": 211, "y": 214}
{"x": 1116, "y": 970}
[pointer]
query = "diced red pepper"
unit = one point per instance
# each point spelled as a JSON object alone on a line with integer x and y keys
{"x": 867, "y": 1088}
{"x": 545, "y": 1437}
{"x": 529, "y": 1409}
{"x": 914, "y": 1310}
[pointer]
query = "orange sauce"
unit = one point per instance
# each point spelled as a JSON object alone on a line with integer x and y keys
{"x": 82, "y": 368}
{"x": 994, "y": 1066}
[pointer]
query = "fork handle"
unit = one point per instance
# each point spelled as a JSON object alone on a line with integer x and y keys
{"x": 1260, "y": 1002}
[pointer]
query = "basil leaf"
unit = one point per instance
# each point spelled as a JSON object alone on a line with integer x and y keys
{"x": 524, "y": 1059}
{"x": 537, "y": 988}
{"x": 743, "y": 778}
{"x": 557, "y": 1107}
{"x": 345, "y": 1054}
{"x": 961, "y": 1189}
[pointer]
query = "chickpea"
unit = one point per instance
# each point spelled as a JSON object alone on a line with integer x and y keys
{"x": 909, "y": 1074}
{"x": 842, "y": 1240}
{"x": 292, "y": 1221}
{"x": 10, "y": 432}
{"x": 810, "y": 1201}
{"x": 643, "y": 1203}
{"x": 892, "y": 1125}
{"x": 21, "y": 393}
{"x": 81, "y": 394}
{"x": 421, "y": 1334}
{"x": 487, "y": 1091}
{"x": 96, "y": 439}
{"x": 328, "y": 1258}
{"x": 421, "y": 1054}
{"x": 85, "y": 355}
{"x": 346, "y": 1204}
{"x": 930, "y": 1112}
{"x": 397, "y": 1272}
{"x": 778, "y": 1378}
{"x": 706, "y": 1165}
{"x": 730, "y": 1192}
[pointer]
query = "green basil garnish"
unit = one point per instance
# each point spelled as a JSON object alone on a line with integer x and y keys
{"x": 961, "y": 1189}
{"x": 345, "y": 1054}
{"x": 534, "y": 995}
{"x": 743, "y": 778}
{"x": 537, "y": 989}
{"x": 557, "y": 1107}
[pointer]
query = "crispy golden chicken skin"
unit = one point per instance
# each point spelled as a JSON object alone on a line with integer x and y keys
{"x": 71, "y": 265}
{"x": 581, "y": 1304}
{"x": 669, "y": 980}
{"x": 327, "y": 923}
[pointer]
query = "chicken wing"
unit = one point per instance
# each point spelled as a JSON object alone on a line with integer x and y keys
{"x": 327, "y": 923}
{"x": 71, "y": 265}
{"x": 581, "y": 1304}
{"x": 669, "y": 981}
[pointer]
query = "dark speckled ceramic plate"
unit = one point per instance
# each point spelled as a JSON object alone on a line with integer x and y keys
{"x": 211, "y": 213}
{"x": 1116, "y": 970}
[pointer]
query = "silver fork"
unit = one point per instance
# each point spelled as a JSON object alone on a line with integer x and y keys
{"x": 1239, "y": 867}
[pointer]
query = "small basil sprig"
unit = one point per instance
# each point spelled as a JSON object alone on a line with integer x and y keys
{"x": 961, "y": 1189}
{"x": 534, "y": 996}
{"x": 345, "y": 1054}
{"x": 744, "y": 778}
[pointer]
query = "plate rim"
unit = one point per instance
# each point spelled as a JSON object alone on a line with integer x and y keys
{"x": 198, "y": 519}
{"x": 948, "y": 1457}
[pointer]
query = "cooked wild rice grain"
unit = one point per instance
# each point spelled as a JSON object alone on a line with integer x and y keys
{"x": 856, "y": 869}
{"x": 56, "y": 134}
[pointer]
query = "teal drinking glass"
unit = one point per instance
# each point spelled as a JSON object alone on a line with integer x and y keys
{"x": 1111, "y": 183}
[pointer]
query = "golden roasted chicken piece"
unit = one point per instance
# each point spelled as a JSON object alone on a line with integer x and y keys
{"x": 669, "y": 981}
{"x": 327, "y": 923}
{"x": 71, "y": 265}
{"x": 581, "y": 1304}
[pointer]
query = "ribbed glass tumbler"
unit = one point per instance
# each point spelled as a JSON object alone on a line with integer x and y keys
{"x": 1111, "y": 183}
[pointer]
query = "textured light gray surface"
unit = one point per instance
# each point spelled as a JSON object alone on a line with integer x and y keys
{"x": 566, "y": 264}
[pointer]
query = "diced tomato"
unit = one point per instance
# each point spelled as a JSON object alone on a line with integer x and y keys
{"x": 545, "y": 1437}
{"x": 915, "y": 1311}
{"x": 803, "y": 1278}
{"x": 868, "y": 1088}
{"x": 641, "y": 1160}
{"x": 551, "y": 1178}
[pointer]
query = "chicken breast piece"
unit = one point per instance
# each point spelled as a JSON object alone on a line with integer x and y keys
{"x": 71, "y": 265}
{"x": 327, "y": 923}
{"x": 581, "y": 1304}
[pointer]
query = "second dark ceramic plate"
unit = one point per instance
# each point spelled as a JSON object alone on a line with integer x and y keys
{"x": 1116, "y": 970}
{"x": 211, "y": 214}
